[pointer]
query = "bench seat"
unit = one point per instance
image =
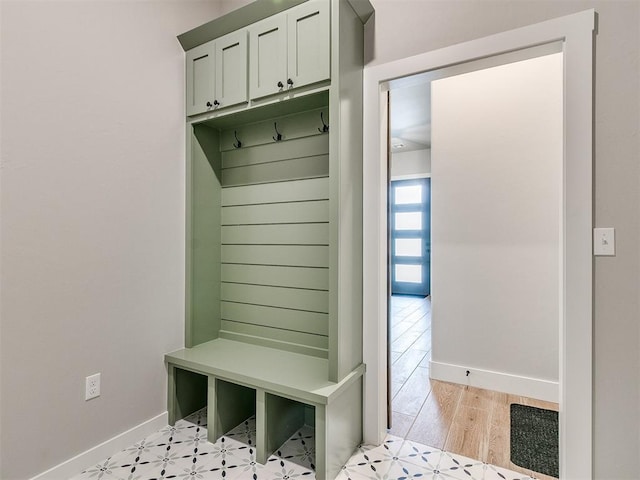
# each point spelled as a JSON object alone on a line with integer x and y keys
{"x": 281, "y": 388}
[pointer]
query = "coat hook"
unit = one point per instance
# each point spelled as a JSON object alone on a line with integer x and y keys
{"x": 239, "y": 144}
{"x": 278, "y": 136}
{"x": 325, "y": 127}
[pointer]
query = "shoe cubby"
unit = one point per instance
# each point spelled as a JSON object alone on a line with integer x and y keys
{"x": 230, "y": 404}
{"x": 282, "y": 418}
{"x": 190, "y": 393}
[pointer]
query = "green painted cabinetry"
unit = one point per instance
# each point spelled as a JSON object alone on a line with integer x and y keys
{"x": 200, "y": 63}
{"x": 231, "y": 69}
{"x": 268, "y": 56}
{"x": 274, "y": 224}
{"x": 290, "y": 51}
{"x": 216, "y": 74}
{"x": 308, "y": 32}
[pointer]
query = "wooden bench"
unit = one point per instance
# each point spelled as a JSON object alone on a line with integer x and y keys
{"x": 284, "y": 390}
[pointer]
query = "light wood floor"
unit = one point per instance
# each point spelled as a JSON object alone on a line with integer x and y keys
{"x": 460, "y": 419}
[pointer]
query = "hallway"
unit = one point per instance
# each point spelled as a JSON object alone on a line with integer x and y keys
{"x": 459, "y": 419}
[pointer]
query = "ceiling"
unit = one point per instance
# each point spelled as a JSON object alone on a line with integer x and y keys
{"x": 410, "y": 117}
{"x": 410, "y": 97}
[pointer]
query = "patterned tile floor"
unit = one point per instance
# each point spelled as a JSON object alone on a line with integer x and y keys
{"x": 182, "y": 452}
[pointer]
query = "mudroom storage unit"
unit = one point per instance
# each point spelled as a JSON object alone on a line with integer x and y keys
{"x": 274, "y": 225}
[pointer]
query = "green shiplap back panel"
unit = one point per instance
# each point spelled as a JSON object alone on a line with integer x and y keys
{"x": 301, "y": 154}
{"x": 275, "y": 237}
{"x": 276, "y": 317}
{"x": 287, "y": 234}
{"x": 292, "y": 126}
{"x": 306, "y": 343}
{"x": 286, "y": 212}
{"x": 294, "y": 169}
{"x": 277, "y": 255}
{"x": 314, "y": 189}
{"x": 283, "y": 297}
{"x": 275, "y": 151}
{"x": 203, "y": 240}
{"x": 277, "y": 276}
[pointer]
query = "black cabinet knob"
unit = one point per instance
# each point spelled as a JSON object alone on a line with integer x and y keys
{"x": 209, "y": 105}
{"x": 216, "y": 103}
{"x": 289, "y": 82}
{"x": 280, "y": 85}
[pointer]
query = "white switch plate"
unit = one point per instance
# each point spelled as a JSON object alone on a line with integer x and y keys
{"x": 604, "y": 241}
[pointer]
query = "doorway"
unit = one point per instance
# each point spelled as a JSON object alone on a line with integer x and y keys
{"x": 495, "y": 157}
{"x": 575, "y": 32}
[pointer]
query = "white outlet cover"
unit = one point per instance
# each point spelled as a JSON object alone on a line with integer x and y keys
{"x": 92, "y": 386}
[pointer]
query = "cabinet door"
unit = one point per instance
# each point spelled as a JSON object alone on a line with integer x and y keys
{"x": 308, "y": 43}
{"x": 231, "y": 69}
{"x": 268, "y": 56}
{"x": 200, "y": 78}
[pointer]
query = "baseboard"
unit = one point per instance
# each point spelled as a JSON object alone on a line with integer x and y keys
{"x": 498, "y": 381}
{"x": 77, "y": 464}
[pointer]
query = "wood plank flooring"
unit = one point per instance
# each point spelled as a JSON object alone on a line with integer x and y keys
{"x": 460, "y": 419}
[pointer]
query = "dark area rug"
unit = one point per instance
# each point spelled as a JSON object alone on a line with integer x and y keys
{"x": 534, "y": 439}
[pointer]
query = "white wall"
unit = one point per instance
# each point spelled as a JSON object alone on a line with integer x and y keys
{"x": 407, "y": 27}
{"x": 412, "y": 164}
{"x": 495, "y": 220}
{"x": 92, "y": 221}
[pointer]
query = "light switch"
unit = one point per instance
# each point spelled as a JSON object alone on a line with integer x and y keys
{"x": 604, "y": 241}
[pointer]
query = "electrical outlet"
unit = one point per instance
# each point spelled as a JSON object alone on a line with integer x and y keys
{"x": 92, "y": 386}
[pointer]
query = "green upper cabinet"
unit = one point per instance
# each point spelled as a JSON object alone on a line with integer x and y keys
{"x": 290, "y": 50}
{"x": 217, "y": 73}
{"x": 268, "y": 56}
{"x": 308, "y": 47}
{"x": 200, "y": 78}
{"x": 231, "y": 69}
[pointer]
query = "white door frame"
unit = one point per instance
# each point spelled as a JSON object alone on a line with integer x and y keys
{"x": 576, "y": 285}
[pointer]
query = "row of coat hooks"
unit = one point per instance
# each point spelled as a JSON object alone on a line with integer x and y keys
{"x": 278, "y": 136}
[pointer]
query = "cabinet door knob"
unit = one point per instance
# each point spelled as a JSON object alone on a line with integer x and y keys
{"x": 280, "y": 85}
{"x": 209, "y": 105}
{"x": 216, "y": 103}
{"x": 289, "y": 82}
